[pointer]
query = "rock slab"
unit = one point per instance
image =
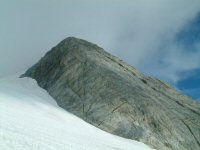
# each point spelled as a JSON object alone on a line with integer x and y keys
{"x": 110, "y": 94}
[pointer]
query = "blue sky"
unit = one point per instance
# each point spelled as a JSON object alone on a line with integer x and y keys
{"x": 159, "y": 37}
{"x": 189, "y": 37}
{"x": 191, "y": 84}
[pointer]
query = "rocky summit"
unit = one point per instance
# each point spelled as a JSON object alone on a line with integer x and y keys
{"x": 110, "y": 94}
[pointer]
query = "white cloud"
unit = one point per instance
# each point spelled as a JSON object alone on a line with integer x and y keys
{"x": 149, "y": 41}
{"x": 175, "y": 63}
{"x": 134, "y": 30}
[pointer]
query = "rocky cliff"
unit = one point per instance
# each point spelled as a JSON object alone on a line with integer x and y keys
{"x": 113, "y": 96}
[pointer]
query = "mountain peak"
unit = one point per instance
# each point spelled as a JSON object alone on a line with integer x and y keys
{"x": 75, "y": 42}
{"x": 112, "y": 95}
{"x": 74, "y": 46}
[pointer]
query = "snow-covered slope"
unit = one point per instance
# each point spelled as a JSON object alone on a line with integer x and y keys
{"x": 31, "y": 120}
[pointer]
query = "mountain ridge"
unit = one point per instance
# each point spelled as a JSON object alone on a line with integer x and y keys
{"x": 103, "y": 90}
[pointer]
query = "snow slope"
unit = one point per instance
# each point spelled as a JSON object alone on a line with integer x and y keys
{"x": 31, "y": 120}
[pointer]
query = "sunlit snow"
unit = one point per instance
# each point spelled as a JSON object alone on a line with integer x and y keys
{"x": 31, "y": 120}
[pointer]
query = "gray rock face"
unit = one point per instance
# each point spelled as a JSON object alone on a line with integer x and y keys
{"x": 113, "y": 96}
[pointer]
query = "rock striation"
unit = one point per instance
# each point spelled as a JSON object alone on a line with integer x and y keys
{"x": 113, "y": 96}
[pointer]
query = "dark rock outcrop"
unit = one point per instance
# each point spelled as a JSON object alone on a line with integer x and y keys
{"x": 113, "y": 96}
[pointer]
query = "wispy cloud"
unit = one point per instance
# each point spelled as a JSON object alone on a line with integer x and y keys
{"x": 175, "y": 61}
{"x": 150, "y": 40}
